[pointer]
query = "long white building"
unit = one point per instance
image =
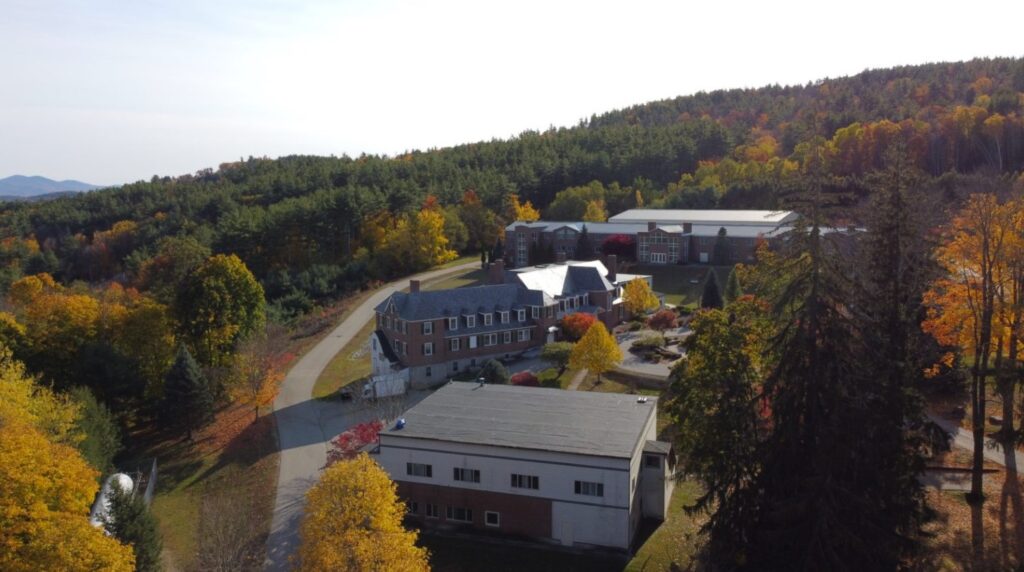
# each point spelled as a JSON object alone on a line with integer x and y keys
{"x": 577, "y": 468}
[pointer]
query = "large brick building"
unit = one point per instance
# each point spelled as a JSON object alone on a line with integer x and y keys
{"x": 578, "y": 468}
{"x": 662, "y": 236}
{"x": 429, "y": 336}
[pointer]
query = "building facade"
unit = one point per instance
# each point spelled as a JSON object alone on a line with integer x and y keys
{"x": 577, "y": 468}
{"x": 430, "y": 336}
{"x": 661, "y": 236}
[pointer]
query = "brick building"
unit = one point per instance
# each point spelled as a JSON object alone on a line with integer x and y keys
{"x": 662, "y": 236}
{"x": 429, "y": 336}
{"x": 578, "y": 468}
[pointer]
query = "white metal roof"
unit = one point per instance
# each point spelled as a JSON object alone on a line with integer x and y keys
{"x": 704, "y": 216}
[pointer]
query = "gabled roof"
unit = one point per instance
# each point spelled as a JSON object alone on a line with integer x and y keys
{"x": 385, "y": 346}
{"x": 563, "y": 279}
{"x": 433, "y": 304}
{"x": 704, "y": 216}
{"x": 537, "y": 418}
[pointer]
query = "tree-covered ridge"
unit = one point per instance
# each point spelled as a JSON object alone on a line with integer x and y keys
{"x": 312, "y": 228}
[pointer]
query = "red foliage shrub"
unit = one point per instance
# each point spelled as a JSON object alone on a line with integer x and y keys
{"x": 621, "y": 245}
{"x": 525, "y": 378}
{"x": 662, "y": 320}
{"x": 347, "y": 445}
{"x": 575, "y": 325}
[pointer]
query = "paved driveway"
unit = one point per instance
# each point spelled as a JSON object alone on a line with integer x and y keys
{"x": 306, "y": 425}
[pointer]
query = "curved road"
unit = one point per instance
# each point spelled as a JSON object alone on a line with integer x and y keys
{"x": 305, "y": 425}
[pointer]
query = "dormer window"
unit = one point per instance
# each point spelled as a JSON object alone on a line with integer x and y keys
{"x": 488, "y": 319}
{"x": 504, "y": 317}
{"x": 470, "y": 321}
{"x": 453, "y": 324}
{"x": 521, "y": 315}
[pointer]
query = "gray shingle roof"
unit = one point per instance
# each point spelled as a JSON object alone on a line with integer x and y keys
{"x": 659, "y": 447}
{"x": 426, "y": 305}
{"x": 581, "y": 422}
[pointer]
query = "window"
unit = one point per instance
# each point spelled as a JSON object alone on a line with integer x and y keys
{"x": 430, "y": 510}
{"x": 522, "y": 335}
{"x": 421, "y": 470}
{"x": 428, "y": 328}
{"x": 535, "y": 312}
{"x": 412, "y": 507}
{"x": 490, "y": 339}
{"x": 453, "y": 344}
{"x": 459, "y": 514}
{"x": 455, "y": 366}
{"x": 652, "y": 461}
{"x": 525, "y": 481}
{"x": 428, "y": 349}
{"x": 472, "y": 342}
{"x": 504, "y": 317}
{"x": 492, "y": 518}
{"x": 488, "y": 319}
{"x": 466, "y": 475}
{"x": 428, "y": 371}
{"x": 453, "y": 324}
{"x": 398, "y": 346}
{"x": 589, "y": 489}
{"x": 506, "y": 337}
{"x": 470, "y": 321}
{"x": 521, "y": 315}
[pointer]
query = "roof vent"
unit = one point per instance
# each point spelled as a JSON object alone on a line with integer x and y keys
{"x": 641, "y": 399}
{"x": 400, "y": 424}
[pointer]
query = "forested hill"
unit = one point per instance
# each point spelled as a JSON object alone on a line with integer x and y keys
{"x": 315, "y": 227}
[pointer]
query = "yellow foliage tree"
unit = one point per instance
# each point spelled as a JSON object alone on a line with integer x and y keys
{"x": 256, "y": 374}
{"x": 354, "y": 522}
{"x": 25, "y": 401}
{"x": 638, "y": 297}
{"x": 596, "y": 351}
{"x": 521, "y": 212}
{"x": 595, "y": 212}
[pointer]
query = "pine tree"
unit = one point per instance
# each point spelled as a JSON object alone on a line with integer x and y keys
{"x": 733, "y": 290}
{"x": 711, "y": 298}
{"x": 131, "y": 522}
{"x": 498, "y": 252}
{"x": 720, "y": 252}
{"x": 584, "y": 247}
{"x": 188, "y": 402}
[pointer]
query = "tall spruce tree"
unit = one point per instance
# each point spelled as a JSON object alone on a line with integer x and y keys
{"x": 711, "y": 297}
{"x": 720, "y": 252}
{"x": 584, "y": 246}
{"x": 188, "y": 401}
{"x": 498, "y": 252}
{"x": 131, "y": 522}
{"x": 733, "y": 290}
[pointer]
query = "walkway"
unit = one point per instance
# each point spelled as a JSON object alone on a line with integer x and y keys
{"x": 577, "y": 380}
{"x": 964, "y": 439}
{"x": 306, "y": 425}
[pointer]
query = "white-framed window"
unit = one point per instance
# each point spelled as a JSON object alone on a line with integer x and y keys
{"x": 521, "y": 315}
{"x": 504, "y": 317}
{"x": 490, "y": 339}
{"x": 535, "y": 312}
{"x": 453, "y": 344}
{"x": 488, "y": 319}
{"x": 428, "y": 349}
{"x": 586, "y": 299}
{"x": 430, "y": 510}
{"x": 428, "y": 328}
{"x": 506, "y": 337}
{"x": 453, "y": 324}
{"x": 472, "y": 342}
{"x": 492, "y": 518}
{"x": 398, "y": 346}
{"x": 589, "y": 489}
{"x": 400, "y": 325}
{"x": 419, "y": 470}
{"x": 525, "y": 481}
{"x": 458, "y": 514}
{"x": 466, "y": 475}
{"x": 522, "y": 335}
{"x": 412, "y": 507}
{"x": 470, "y": 321}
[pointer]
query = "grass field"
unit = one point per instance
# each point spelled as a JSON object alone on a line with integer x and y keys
{"x": 681, "y": 285}
{"x": 674, "y": 544}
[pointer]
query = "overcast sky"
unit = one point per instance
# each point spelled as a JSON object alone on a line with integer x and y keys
{"x": 111, "y": 92}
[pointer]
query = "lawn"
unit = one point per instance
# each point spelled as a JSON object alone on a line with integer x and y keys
{"x": 549, "y": 377}
{"x": 676, "y": 282}
{"x": 474, "y": 277}
{"x": 450, "y": 554}
{"x": 674, "y": 544}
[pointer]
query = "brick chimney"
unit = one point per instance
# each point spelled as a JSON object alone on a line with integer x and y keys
{"x": 687, "y": 227}
{"x": 613, "y": 267}
{"x": 414, "y": 286}
{"x": 496, "y": 272}
{"x": 560, "y": 257}
{"x": 651, "y": 226}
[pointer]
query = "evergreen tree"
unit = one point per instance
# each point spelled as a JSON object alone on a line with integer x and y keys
{"x": 498, "y": 252}
{"x": 188, "y": 402}
{"x": 494, "y": 372}
{"x": 102, "y": 435}
{"x": 584, "y": 246}
{"x": 733, "y": 290}
{"x": 711, "y": 298}
{"x": 131, "y": 522}
{"x": 720, "y": 252}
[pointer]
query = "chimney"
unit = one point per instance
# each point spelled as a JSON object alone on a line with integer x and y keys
{"x": 687, "y": 227}
{"x": 496, "y": 272}
{"x": 560, "y": 257}
{"x": 613, "y": 267}
{"x": 651, "y": 226}
{"x": 414, "y": 286}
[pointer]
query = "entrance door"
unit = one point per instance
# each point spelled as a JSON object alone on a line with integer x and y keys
{"x": 566, "y": 534}
{"x": 704, "y": 258}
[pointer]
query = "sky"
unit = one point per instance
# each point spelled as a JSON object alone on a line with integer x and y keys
{"x": 113, "y": 92}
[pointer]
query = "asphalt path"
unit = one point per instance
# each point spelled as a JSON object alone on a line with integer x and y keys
{"x": 306, "y": 425}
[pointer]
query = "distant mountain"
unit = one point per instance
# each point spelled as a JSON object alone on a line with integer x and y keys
{"x": 20, "y": 186}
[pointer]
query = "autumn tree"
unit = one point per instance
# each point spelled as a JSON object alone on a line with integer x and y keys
{"x": 347, "y": 445}
{"x": 557, "y": 354}
{"x": 638, "y": 297}
{"x": 662, "y": 320}
{"x": 353, "y": 521}
{"x": 520, "y": 212}
{"x": 733, "y": 290}
{"x": 711, "y": 297}
{"x": 187, "y": 403}
{"x": 595, "y": 211}
{"x": 596, "y": 351}
{"x": 576, "y": 324}
{"x": 220, "y": 303}
{"x": 257, "y": 371}
{"x": 621, "y": 245}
